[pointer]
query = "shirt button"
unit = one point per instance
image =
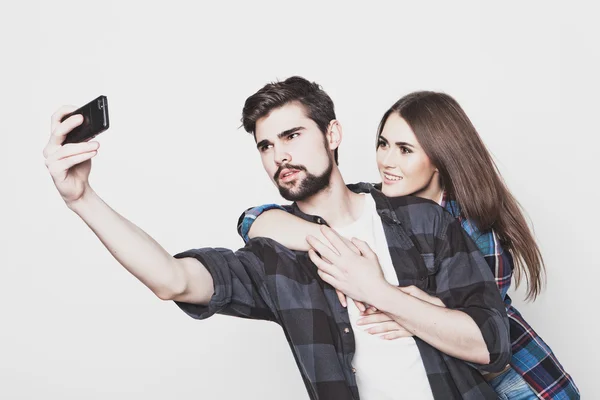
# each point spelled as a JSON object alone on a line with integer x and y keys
{"x": 346, "y": 330}
{"x": 353, "y": 370}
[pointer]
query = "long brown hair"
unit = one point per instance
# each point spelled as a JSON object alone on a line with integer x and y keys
{"x": 471, "y": 178}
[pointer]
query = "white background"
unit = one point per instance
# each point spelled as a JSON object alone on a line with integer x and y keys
{"x": 75, "y": 325}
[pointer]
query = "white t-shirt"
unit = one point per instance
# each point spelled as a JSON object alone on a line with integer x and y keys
{"x": 385, "y": 369}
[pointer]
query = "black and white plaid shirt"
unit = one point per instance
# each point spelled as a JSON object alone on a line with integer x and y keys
{"x": 429, "y": 249}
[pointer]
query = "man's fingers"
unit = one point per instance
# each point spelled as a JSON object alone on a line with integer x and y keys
{"x": 55, "y": 122}
{"x": 59, "y": 114}
{"x": 71, "y": 149}
{"x": 59, "y": 168}
{"x": 60, "y": 131}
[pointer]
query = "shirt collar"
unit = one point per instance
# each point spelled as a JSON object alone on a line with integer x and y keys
{"x": 381, "y": 202}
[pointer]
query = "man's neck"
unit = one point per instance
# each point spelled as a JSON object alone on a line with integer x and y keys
{"x": 338, "y": 205}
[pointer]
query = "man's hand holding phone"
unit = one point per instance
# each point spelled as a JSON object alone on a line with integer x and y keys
{"x": 69, "y": 164}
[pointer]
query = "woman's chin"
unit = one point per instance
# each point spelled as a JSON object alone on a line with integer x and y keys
{"x": 393, "y": 190}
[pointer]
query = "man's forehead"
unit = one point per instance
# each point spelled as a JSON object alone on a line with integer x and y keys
{"x": 281, "y": 119}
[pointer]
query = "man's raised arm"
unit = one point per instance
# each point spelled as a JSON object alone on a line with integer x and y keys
{"x": 184, "y": 279}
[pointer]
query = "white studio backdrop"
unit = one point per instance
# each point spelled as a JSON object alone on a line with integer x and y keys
{"x": 76, "y": 325}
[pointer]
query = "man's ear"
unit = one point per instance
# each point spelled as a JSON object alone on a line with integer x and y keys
{"x": 334, "y": 134}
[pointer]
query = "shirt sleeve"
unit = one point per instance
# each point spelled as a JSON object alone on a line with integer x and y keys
{"x": 499, "y": 260}
{"x": 464, "y": 282}
{"x": 239, "y": 284}
{"x": 248, "y": 217}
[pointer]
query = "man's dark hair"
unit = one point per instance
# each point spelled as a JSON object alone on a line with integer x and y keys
{"x": 317, "y": 104}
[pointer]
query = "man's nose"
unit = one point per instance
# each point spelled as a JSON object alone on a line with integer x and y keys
{"x": 282, "y": 156}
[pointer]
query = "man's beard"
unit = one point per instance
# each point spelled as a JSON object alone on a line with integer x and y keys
{"x": 309, "y": 186}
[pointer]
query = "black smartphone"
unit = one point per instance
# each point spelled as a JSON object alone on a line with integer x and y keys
{"x": 95, "y": 121}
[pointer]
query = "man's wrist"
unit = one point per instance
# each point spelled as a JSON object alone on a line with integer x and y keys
{"x": 84, "y": 201}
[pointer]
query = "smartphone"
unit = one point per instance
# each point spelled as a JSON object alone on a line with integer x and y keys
{"x": 95, "y": 121}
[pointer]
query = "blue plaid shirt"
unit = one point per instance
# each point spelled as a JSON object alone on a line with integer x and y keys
{"x": 532, "y": 358}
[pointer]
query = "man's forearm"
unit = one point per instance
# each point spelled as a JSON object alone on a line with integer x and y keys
{"x": 451, "y": 331}
{"x": 142, "y": 256}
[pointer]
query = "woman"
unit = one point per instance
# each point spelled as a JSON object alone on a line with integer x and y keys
{"x": 427, "y": 147}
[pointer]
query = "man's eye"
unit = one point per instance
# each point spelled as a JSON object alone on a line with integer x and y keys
{"x": 293, "y": 135}
{"x": 265, "y": 147}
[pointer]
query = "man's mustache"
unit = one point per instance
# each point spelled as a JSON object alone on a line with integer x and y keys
{"x": 287, "y": 166}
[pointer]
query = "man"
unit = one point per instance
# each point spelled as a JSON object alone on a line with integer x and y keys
{"x": 297, "y": 136}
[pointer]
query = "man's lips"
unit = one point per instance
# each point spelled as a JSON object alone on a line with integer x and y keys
{"x": 288, "y": 175}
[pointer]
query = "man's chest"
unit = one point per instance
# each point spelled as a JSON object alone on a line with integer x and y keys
{"x": 402, "y": 259}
